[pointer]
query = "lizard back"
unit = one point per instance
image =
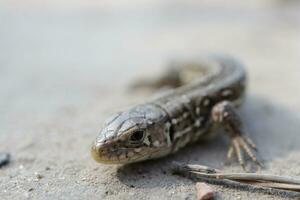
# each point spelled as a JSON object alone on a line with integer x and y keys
{"x": 204, "y": 83}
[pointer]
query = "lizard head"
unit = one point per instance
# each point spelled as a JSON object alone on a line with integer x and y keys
{"x": 134, "y": 135}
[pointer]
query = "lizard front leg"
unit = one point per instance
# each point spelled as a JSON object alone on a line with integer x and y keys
{"x": 225, "y": 114}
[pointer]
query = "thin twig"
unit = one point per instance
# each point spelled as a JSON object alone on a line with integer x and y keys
{"x": 258, "y": 181}
{"x": 195, "y": 168}
{"x": 252, "y": 177}
{"x": 291, "y": 187}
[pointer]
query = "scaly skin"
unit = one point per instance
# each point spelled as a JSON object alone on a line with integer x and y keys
{"x": 207, "y": 93}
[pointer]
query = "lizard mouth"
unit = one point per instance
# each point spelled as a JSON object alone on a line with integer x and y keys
{"x": 106, "y": 155}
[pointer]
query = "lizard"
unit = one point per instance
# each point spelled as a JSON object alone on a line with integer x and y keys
{"x": 207, "y": 93}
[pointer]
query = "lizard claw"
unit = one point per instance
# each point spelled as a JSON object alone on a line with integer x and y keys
{"x": 240, "y": 146}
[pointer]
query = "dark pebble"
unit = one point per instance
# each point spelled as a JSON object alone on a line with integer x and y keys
{"x": 4, "y": 159}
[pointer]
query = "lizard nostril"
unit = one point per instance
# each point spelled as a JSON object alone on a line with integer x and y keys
{"x": 98, "y": 152}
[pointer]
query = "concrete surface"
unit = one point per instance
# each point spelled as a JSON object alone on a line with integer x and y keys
{"x": 65, "y": 66}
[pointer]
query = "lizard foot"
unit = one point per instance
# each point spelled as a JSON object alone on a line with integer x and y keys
{"x": 240, "y": 146}
{"x": 225, "y": 114}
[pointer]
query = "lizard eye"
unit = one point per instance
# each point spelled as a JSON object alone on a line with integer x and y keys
{"x": 137, "y": 136}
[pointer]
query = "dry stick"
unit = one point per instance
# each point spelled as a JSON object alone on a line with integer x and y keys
{"x": 252, "y": 177}
{"x": 241, "y": 186}
{"x": 271, "y": 181}
{"x": 195, "y": 168}
{"x": 215, "y": 173}
{"x": 243, "y": 181}
{"x": 291, "y": 187}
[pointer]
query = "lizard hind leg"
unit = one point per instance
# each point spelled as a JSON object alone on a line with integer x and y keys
{"x": 170, "y": 79}
{"x": 225, "y": 114}
{"x": 178, "y": 74}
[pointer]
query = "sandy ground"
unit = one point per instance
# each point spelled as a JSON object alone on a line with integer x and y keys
{"x": 65, "y": 67}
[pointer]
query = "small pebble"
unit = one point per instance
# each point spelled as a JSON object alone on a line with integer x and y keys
{"x": 38, "y": 176}
{"x": 4, "y": 159}
{"x": 204, "y": 191}
{"x": 47, "y": 168}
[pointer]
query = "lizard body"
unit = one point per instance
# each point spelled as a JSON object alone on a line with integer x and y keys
{"x": 207, "y": 93}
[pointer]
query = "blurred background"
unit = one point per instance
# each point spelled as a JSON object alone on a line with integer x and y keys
{"x": 66, "y": 65}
